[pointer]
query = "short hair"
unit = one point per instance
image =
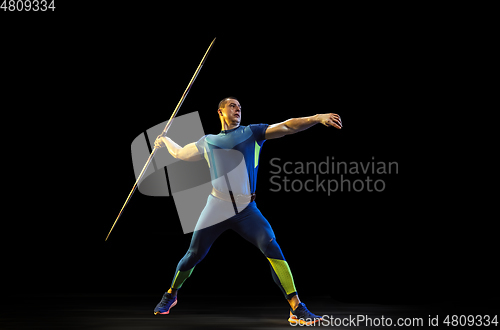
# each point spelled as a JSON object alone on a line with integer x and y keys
{"x": 222, "y": 103}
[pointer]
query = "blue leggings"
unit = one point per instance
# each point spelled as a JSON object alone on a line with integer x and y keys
{"x": 251, "y": 225}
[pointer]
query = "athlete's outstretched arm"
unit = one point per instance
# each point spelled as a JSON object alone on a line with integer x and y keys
{"x": 189, "y": 152}
{"x": 295, "y": 125}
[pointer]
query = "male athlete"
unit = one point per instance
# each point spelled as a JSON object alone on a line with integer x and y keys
{"x": 233, "y": 157}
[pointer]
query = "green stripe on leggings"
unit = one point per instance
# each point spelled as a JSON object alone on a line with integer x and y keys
{"x": 282, "y": 269}
{"x": 180, "y": 277}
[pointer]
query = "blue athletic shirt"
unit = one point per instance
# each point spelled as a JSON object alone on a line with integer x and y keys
{"x": 233, "y": 157}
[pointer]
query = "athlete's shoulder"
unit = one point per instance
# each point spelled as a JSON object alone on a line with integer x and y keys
{"x": 258, "y": 127}
{"x": 207, "y": 138}
{"x": 204, "y": 137}
{"x": 259, "y": 131}
{"x": 200, "y": 144}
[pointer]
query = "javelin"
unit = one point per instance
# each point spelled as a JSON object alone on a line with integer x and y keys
{"x": 163, "y": 133}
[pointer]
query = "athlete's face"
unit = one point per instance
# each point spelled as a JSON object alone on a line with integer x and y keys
{"x": 231, "y": 111}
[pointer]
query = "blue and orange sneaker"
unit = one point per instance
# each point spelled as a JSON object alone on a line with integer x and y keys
{"x": 301, "y": 315}
{"x": 167, "y": 302}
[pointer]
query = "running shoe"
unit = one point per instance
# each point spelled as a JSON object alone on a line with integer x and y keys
{"x": 301, "y": 315}
{"x": 167, "y": 302}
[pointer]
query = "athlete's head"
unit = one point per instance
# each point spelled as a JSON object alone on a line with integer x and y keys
{"x": 229, "y": 112}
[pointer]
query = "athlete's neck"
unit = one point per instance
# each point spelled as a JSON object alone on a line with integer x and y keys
{"x": 227, "y": 127}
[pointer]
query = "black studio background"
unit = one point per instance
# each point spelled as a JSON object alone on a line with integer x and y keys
{"x": 98, "y": 78}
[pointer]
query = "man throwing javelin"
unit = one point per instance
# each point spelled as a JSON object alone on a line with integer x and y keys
{"x": 231, "y": 205}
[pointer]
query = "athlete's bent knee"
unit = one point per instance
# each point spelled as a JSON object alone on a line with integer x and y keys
{"x": 189, "y": 260}
{"x": 273, "y": 250}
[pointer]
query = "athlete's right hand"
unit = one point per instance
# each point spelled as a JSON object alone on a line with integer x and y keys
{"x": 159, "y": 143}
